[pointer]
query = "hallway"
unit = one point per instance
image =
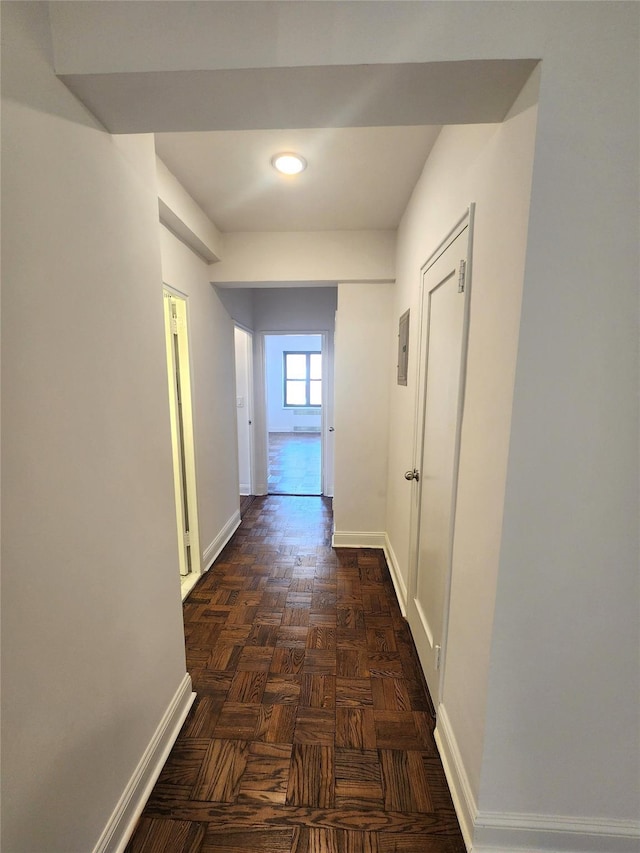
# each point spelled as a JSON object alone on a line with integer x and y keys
{"x": 312, "y": 730}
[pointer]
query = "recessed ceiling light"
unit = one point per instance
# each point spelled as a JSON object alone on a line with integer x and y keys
{"x": 288, "y": 163}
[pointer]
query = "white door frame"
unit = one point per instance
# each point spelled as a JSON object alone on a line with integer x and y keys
{"x": 248, "y": 410}
{"x": 328, "y": 441}
{"x": 261, "y": 433}
{"x": 465, "y": 222}
{"x": 182, "y": 437}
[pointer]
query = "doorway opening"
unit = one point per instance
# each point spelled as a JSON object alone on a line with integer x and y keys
{"x": 182, "y": 442}
{"x": 294, "y": 413}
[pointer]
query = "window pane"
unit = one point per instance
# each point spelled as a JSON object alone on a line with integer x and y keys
{"x": 315, "y": 392}
{"x": 296, "y": 393}
{"x": 296, "y": 367}
{"x": 316, "y": 365}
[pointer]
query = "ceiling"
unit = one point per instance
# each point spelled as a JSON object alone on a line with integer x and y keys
{"x": 365, "y": 130}
{"x": 220, "y": 83}
{"x": 358, "y": 178}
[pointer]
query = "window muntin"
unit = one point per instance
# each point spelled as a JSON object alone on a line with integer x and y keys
{"x": 302, "y": 372}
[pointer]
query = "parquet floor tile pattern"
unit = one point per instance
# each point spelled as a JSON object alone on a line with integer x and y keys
{"x": 312, "y": 731}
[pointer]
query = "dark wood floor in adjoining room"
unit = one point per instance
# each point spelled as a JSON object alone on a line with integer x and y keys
{"x": 312, "y": 730}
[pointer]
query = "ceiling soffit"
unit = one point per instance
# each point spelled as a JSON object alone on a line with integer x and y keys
{"x": 433, "y": 93}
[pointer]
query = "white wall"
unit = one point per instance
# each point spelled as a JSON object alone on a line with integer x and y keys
{"x": 567, "y": 599}
{"x": 92, "y": 641}
{"x": 180, "y": 213}
{"x": 306, "y": 256}
{"x": 364, "y": 329}
{"x": 491, "y": 165}
{"x": 239, "y": 304}
{"x": 211, "y": 341}
{"x": 280, "y": 419}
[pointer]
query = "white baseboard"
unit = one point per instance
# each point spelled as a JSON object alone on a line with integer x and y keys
{"x": 501, "y": 832}
{"x": 509, "y": 832}
{"x": 454, "y": 769}
{"x": 122, "y": 822}
{"x": 245, "y": 489}
{"x": 396, "y": 578}
{"x": 358, "y": 539}
{"x": 362, "y": 539}
{"x": 212, "y": 551}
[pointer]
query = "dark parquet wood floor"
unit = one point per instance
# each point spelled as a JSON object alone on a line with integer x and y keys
{"x": 312, "y": 730}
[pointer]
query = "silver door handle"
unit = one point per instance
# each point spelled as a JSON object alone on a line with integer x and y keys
{"x": 331, "y": 429}
{"x": 412, "y": 475}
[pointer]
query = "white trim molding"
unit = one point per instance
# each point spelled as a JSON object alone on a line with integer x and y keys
{"x": 501, "y": 832}
{"x": 509, "y": 832}
{"x": 363, "y": 539}
{"x": 187, "y": 583}
{"x": 122, "y": 822}
{"x": 457, "y": 779}
{"x": 394, "y": 570}
{"x": 213, "y": 550}
{"x": 358, "y": 539}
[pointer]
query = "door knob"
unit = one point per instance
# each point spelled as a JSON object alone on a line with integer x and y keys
{"x": 412, "y": 475}
{"x": 331, "y": 429}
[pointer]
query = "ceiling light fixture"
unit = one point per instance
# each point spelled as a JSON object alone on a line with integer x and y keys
{"x": 288, "y": 163}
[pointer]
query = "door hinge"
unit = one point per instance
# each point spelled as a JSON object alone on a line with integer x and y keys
{"x": 461, "y": 276}
{"x": 437, "y": 652}
{"x": 187, "y": 538}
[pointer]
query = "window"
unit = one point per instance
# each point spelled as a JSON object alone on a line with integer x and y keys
{"x": 302, "y": 379}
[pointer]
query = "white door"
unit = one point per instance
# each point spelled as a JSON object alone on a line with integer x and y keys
{"x": 184, "y": 472}
{"x": 328, "y": 443}
{"x": 443, "y": 336}
{"x": 244, "y": 406}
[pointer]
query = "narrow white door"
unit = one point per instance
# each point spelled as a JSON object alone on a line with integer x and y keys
{"x": 443, "y": 335}
{"x": 244, "y": 406}
{"x": 184, "y": 474}
{"x": 328, "y": 433}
